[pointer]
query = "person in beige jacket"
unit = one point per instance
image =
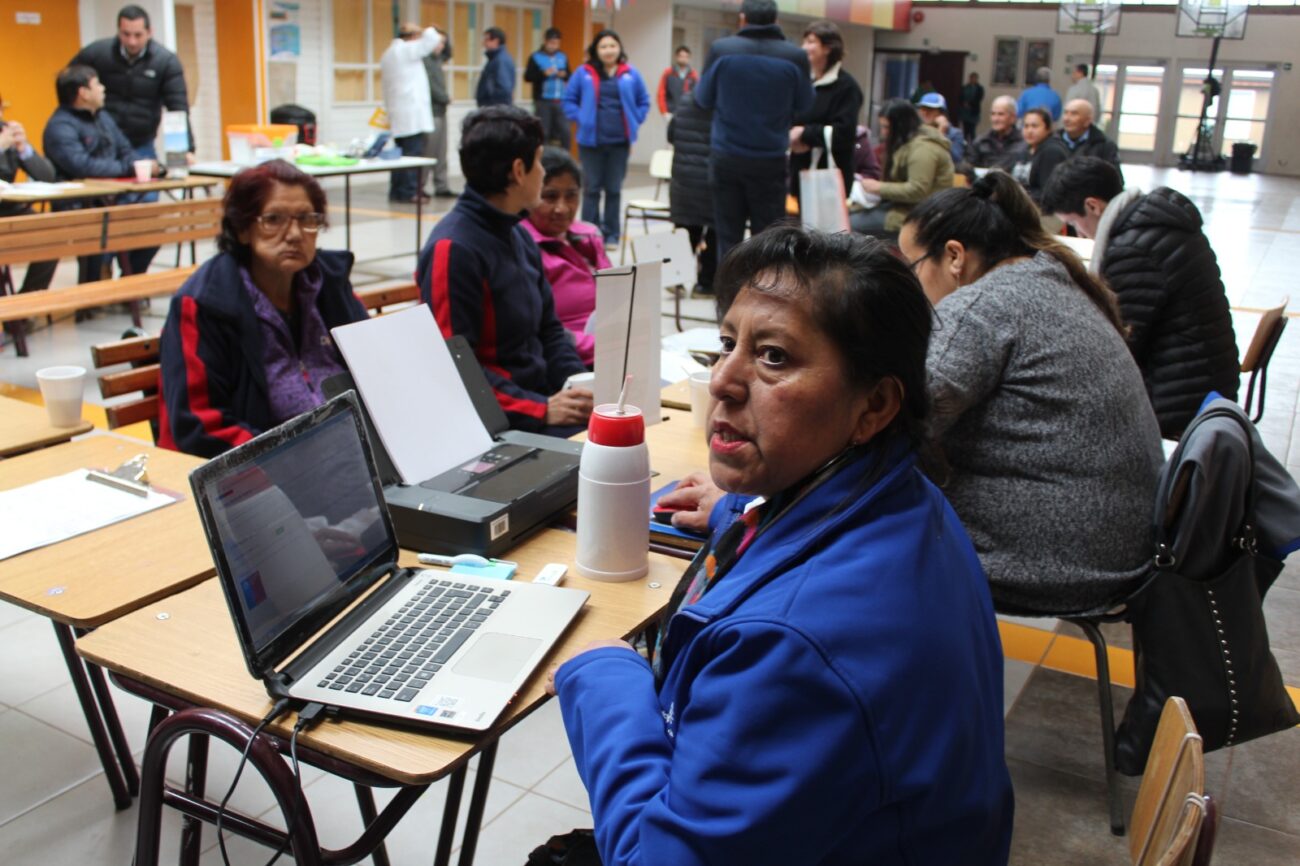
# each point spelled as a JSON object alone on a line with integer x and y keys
{"x": 917, "y": 163}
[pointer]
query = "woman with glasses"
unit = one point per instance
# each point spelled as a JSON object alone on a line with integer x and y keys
{"x": 1051, "y": 445}
{"x": 247, "y": 341}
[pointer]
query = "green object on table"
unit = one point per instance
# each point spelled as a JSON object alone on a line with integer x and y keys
{"x": 324, "y": 160}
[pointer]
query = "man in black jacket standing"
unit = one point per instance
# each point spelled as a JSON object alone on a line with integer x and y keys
{"x": 141, "y": 76}
{"x": 754, "y": 83}
{"x": 1152, "y": 251}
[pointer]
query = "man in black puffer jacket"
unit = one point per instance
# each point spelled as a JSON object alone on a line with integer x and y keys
{"x": 1151, "y": 250}
{"x": 689, "y": 201}
{"x": 141, "y": 76}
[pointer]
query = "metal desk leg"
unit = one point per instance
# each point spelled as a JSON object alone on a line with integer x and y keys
{"x": 196, "y": 777}
{"x": 80, "y": 682}
{"x": 477, "y": 803}
{"x": 114, "y": 725}
{"x": 347, "y": 212}
{"x": 450, "y": 809}
{"x": 366, "y": 801}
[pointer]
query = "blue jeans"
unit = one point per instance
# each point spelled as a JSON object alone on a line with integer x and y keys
{"x": 604, "y": 168}
{"x": 404, "y": 185}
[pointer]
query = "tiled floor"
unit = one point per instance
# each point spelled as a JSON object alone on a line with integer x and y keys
{"x": 55, "y": 807}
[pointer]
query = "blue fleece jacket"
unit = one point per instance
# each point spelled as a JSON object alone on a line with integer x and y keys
{"x": 582, "y": 101}
{"x": 835, "y": 698}
{"x": 754, "y": 83}
{"x": 496, "y": 83}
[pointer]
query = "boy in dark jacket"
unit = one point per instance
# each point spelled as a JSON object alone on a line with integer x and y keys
{"x": 496, "y": 83}
{"x": 1153, "y": 253}
{"x": 481, "y": 274}
{"x": 547, "y": 70}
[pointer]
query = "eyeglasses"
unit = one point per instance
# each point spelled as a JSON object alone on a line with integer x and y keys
{"x": 912, "y": 266}
{"x": 274, "y": 223}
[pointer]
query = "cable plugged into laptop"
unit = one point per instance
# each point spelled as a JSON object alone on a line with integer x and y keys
{"x": 311, "y": 715}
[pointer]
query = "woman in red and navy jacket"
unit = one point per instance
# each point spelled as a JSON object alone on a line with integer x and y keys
{"x": 481, "y": 274}
{"x": 247, "y": 340}
{"x": 608, "y": 118}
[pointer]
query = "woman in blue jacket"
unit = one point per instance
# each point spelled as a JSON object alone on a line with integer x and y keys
{"x": 609, "y": 101}
{"x": 827, "y": 687}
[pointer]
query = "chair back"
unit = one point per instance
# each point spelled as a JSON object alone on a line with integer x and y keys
{"x": 1170, "y": 806}
{"x": 1267, "y": 333}
{"x": 661, "y": 164}
{"x": 674, "y": 250}
{"x": 141, "y": 352}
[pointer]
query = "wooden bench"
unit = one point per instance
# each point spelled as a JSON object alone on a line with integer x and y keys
{"x": 94, "y": 231}
{"x": 142, "y": 354}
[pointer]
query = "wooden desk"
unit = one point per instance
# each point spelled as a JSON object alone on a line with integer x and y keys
{"x": 676, "y": 396}
{"x": 228, "y": 168}
{"x": 187, "y": 185}
{"x": 677, "y": 448}
{"x": 185, "y": 646}
{"x": 25, "y": 427}
{"x": 86, "y": 581}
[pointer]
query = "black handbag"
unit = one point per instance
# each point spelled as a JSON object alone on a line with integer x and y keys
{"x": 1199, "y": 630}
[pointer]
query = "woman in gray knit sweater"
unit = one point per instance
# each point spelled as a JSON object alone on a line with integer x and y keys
{"x": 1039, "y": 410}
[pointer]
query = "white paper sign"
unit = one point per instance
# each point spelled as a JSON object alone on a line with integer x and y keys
{"x": 414, "y": 394}
{"x": 626, "y": 325}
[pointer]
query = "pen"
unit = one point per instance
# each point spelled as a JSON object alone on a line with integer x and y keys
{"x": 471, "y": 559}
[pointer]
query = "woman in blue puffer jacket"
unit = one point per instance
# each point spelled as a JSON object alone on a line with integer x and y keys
{"x": 608, "y": 100}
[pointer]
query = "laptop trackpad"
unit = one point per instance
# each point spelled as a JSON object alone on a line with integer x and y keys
{"x": 497, "y": 657}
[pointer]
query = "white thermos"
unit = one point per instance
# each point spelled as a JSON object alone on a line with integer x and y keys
{"x": 614, "y": 496}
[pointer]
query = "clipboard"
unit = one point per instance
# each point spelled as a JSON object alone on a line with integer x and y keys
{"x": 74, "y": 503}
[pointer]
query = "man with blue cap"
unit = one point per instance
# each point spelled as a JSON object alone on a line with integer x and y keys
{"x": 933, "y": 109}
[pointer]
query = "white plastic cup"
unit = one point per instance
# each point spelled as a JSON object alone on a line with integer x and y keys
{"x": 61, "y": 389}
{"x": 700, "y": 397}
{"x": 614, "y": 497}
{"x": 143, "y": 170}
{"x": 580, "y": 380}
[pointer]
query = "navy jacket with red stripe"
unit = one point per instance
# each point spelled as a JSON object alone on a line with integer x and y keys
{"x": 214, "y": 390}
{"x": 482, "y": 276}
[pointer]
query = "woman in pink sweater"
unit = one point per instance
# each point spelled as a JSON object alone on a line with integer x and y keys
{"x": 572, "y": 251}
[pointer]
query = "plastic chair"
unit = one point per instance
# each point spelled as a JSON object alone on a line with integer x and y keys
{"x": 1171, "y": 811}
{"x": 1267, "y": 334}
{"x": 661, "y": 169}
{"x": 680, "y": 267}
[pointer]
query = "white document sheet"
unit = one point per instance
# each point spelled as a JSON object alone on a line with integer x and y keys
{"x": 415, "y": 396}
{"x": 627, "y": 336}
{"x": 64, "y": 506}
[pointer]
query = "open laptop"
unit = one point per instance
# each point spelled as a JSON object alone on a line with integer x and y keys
{"x": 299, "y": 532}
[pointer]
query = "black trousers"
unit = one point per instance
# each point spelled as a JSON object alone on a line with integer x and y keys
{"x": 555, "y": 126}
{"x": 745, "y": 191}
{"x": 707, "y": 258}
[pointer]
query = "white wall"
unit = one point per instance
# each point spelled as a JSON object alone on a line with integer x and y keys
{"x": 1145, "y": 35}
{"x": 647, "y": 33}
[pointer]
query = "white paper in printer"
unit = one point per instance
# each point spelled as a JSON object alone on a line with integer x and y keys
{"x": 416, "y": 399}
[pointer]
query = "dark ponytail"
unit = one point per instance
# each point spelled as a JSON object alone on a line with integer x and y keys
{"x": 996, "y": 219}
{"x": 904, "y": 124}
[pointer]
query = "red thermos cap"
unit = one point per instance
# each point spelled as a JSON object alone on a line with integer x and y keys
{"x": 608, "y": 427}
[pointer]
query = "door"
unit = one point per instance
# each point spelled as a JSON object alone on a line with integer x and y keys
{"x": 944, "y": 70}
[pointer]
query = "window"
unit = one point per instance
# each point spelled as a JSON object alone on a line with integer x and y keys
{"x": 1240, "y": 113}
{"x": 1139, "y": 108}
{"x": 463, "y": 23}
{"x": 362, "y": 30}
{"x": 1190, "y": 99}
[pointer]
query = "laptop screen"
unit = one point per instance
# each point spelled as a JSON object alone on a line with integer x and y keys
{"x": 294, "y": 522}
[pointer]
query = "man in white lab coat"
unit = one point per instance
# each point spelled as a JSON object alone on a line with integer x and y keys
{"x": 406, "y": 98}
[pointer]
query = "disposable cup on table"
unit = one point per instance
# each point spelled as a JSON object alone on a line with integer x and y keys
{"x": 61, "y": 389}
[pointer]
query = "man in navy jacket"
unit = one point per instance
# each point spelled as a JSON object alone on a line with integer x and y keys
{"x": 481, "y": 274}
{"x": 754, "y": 83}
{"x": 496, "y": 83}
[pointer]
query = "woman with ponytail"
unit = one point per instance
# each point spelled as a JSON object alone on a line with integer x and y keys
{"x": 1039, "y": 410}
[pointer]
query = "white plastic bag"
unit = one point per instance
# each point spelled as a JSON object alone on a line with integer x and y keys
{"x": 822, "y": 202}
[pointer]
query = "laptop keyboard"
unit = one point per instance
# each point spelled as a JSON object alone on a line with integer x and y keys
{"x": 404, "y": 653}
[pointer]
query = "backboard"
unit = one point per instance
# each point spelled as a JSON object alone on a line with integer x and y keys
{"x": 1089, "y": 17}
{"x": 1209, "y": 19}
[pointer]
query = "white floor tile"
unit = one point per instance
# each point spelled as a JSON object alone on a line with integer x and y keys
{"x": 533, "y": 748}
{"x": 61, "y": 709}
{"x": 38, "y": 762}
{"x": 524, "y": 826}
{"x": 1014, "y": 676}
{"x": 30, "y": 661}
{"x": 564, "y": 784}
